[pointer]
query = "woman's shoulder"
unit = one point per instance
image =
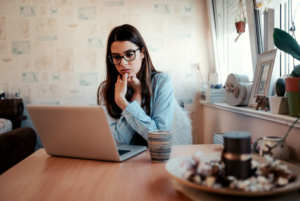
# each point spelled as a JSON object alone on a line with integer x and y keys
{"x": 161, "y": 78}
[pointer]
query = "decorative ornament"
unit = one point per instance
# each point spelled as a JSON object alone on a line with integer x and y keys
{"x": 230, "y": 89}
{"x": 262, "y": 102}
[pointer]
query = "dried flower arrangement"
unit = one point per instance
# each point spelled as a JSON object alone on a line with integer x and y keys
{"x": 265, "y": 177}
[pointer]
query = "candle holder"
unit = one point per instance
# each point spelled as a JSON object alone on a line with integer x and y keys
{"x": 237, "y": 154}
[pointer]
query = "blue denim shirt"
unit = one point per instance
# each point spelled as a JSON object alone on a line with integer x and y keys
{"x": 134, "y": 119}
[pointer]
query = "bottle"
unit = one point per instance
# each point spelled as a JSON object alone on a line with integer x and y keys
{"x": 15, "y": 91}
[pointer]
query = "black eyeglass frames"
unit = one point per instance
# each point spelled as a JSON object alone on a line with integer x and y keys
{"x": 128, "y": 56}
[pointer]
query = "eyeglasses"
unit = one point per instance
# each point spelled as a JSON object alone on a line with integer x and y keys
{"x": 128, "y": 56}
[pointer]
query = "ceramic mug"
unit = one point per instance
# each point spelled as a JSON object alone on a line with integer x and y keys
{"x": 160, "y": 145}
{"x": 281, "y": 151}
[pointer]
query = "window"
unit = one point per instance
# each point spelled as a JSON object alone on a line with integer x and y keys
{"x": 284, "y": 18}
{"x": 234, "y": 57}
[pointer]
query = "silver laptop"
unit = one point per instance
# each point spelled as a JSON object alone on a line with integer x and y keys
{"x": 78, "y": 132}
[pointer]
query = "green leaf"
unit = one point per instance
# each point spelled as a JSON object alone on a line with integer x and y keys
{"x": 286, "y": 43}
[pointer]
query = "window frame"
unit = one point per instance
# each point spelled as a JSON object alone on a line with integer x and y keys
{"x": 212, "y": 27}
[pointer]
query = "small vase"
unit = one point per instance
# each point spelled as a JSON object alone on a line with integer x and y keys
{"x": 281, "y": 151}
{"x": 292, "y": 90}
{"x": 278, "y": 105}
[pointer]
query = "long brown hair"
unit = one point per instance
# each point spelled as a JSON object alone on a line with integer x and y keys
{"x": 106, "y": 89}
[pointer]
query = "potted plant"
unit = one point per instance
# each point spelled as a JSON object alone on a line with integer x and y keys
{"x": 240, "y": 24}
{"x": 293, "y": 92}
{"x": 279, "y": 103}
{"x": 288, "y": 44}
{"x": 240, "y": 21}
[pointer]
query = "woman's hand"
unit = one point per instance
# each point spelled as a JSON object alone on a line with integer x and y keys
{"x": 134, "y": 83}
{"x": 120, "y": 91}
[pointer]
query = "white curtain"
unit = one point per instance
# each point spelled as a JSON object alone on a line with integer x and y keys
{"x": 234, "y": 57}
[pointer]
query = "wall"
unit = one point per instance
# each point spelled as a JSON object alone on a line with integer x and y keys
{"x": 213, "y": 120}
{"x": 54, "y": 50}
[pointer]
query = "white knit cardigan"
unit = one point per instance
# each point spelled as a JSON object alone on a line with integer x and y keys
{"x": 181, "y": 126}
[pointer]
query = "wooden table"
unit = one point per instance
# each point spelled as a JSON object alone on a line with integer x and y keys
{"x": 43, "y": 177}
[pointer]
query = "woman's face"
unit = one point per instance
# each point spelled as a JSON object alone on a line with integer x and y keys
{"x": 119, "y": 48}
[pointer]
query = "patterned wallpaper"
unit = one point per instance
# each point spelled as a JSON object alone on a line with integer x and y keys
{"x": 54, "y": 50}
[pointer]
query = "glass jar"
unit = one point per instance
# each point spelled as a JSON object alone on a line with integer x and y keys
{"x": 15, "y": 91}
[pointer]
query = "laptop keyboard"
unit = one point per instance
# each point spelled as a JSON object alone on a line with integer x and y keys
{"x": 121, "y": 152}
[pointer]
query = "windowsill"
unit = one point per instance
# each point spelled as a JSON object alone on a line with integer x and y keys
{"x": 245, "y": 110}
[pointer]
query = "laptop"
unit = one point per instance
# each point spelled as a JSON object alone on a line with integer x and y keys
{"x": 78, "y": 132}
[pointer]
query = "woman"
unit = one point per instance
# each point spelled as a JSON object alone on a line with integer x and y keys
{"x": 136, "y": 96}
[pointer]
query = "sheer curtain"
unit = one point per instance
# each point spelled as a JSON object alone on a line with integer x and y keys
{"x": 234, "y": 57}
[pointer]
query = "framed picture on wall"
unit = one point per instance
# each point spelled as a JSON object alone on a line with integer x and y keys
{"x": 262, "y": 76}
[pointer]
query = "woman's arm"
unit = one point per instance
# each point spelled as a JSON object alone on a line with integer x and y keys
{"x": 162, "y": 110}
{"x": 134, "y": 119}
{"x": 120, "y": 91}
{"x": 120, "y": 129}
{"x": 136, "y": 96}
{"x": 135, "y": 85}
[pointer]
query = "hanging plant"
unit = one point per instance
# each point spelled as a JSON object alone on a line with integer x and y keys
{"x": 240, "y": 25}
{"x": 240, "y": 20}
